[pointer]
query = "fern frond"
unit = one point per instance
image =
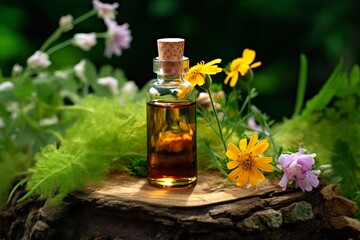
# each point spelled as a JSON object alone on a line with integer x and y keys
{"x": 110, "y": 134}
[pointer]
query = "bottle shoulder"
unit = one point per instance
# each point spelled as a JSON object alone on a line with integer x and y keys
{"x": 158, "y": 89}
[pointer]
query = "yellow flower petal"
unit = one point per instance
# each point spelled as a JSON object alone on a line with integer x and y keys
{"x": 232, "y": 164}
{"x": 210, "y": 70}
{"x": 255, "y": 176}
{"x": 229, "y": 75}
{"x": 234, "y": 149}
{"x": 243, "y": 69}
{"x": 254, "y": 65}
{"x": 234, "y": 66}
{"x": 234, "y": 79}
{"x": 248, "y": 56}
{"x": 260, "y": 147}
{"x": 231, "y": 155}
{"x": 200, "y": 80}
{"x": 243, "y": 178}
{"x": 252, "y": 142}
{"x": 264, "y": 160}
{"x": 234, "y": 173}
{"x": 243, "y": 144}
{"x": 215, "y": 61}
{"x": 265, "y": 167}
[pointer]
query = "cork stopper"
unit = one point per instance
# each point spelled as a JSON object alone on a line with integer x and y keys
{"x": 171, "y": 54}
{"x": 171, "y": 49}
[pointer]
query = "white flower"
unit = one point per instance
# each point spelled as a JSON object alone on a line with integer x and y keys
{"x": 80, "y": 71}
{"x": 12, "y": 106}
{"x": 85, "y": 41}
{"x": 105, "y": 10}
{"x": 38, "y": 60}
{"x": 130, "y": 87}
{"x": 48, "y": 121}
{"x": 16, "y": 69}
{"x": 66, "y": 23}
{"x": 6, "y": 86}
{"x": 111, "y": 83}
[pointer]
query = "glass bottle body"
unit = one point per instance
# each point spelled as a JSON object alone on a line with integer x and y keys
{"x": 171, "y": 129}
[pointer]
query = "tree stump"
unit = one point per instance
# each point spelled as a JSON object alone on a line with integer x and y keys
{"x": 126, "y": 207}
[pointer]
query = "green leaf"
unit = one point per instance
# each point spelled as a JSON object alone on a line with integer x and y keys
{"x": 354, "y": 77}
{"x": 326, "y": 93}
{"x": 301, "y": 85}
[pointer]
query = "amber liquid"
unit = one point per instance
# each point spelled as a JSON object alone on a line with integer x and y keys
{"x": 171, "y": 139}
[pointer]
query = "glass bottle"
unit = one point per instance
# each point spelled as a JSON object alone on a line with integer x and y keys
{"x": 171, "y": 120}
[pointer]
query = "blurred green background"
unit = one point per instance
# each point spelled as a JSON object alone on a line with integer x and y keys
{"x": 279, "y": 31}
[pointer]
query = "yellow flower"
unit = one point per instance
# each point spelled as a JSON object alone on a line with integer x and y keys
{"x": 196, "y": 74}
{"x": 242, "y": 66}
{"x": 246, "y": 161}
{"x": 182, "y": 91}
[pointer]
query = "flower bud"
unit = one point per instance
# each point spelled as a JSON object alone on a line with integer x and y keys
{"x": 66, "y": 23}
{"x": 85, "y": 41}
{"x": 38, "y": 60}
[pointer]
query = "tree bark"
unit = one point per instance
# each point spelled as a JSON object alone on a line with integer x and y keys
{"x": 126, "y": 207}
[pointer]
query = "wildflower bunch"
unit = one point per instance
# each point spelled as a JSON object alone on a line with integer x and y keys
{"x": 34, "y": 97}
{"x": 231, "y": 119}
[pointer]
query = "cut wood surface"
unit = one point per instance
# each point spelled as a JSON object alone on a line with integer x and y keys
{"x": 210, "y": 189}
{"x": 126, "y": 207}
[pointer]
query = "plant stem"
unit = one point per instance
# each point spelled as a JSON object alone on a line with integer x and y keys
{"x": 57, "y": 33}
{"x": 53, "y": 37}
{"x": 301, "y": 85}
{"x": 249, "y": 97}
{"x": 69, "y": 42}
{"x": 217, "y": 118}
{"x": 59, "y": 46}
{"x": 85, "y": 16}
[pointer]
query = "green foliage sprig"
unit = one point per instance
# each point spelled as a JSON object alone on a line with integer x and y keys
{"x": 105, "y": 137}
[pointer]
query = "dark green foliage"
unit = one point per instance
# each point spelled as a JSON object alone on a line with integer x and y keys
{"x": 13, "y": 165}
{"x": 137, "y": 166}
{"x": 347, "y": 169}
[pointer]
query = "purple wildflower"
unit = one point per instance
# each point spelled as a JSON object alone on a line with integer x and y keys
{"x": 251, "y": 123}
{"x": 105, "y": 10}
{"x": 297, "y": 167}
{"x": 119, "y": 37}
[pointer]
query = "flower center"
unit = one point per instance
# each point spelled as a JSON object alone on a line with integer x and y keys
{"x": 234, "y": 66}
{"x": 246, "y": 161}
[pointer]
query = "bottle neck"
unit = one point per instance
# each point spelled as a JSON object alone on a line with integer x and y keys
{"x": 170, "y": 70}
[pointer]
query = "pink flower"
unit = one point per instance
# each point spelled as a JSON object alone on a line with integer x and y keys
{"x": 119, "y": 37}
{"x": 297, "y": 167}
{"x": 105, "y": 10}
